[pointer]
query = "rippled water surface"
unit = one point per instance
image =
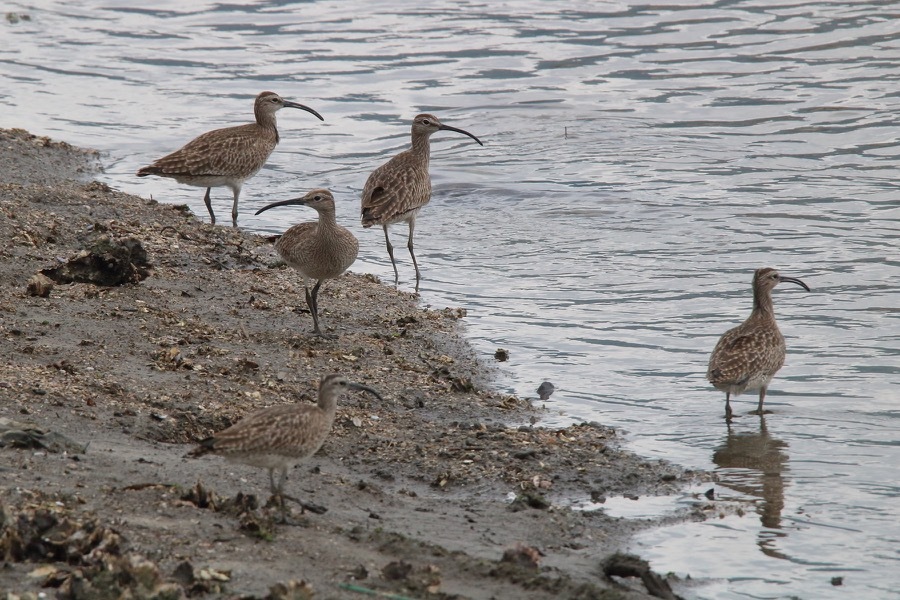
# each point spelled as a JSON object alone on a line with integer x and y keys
{"x": 640, "y": 161}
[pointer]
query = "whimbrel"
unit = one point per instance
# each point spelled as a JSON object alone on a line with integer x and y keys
{"x": 319, "y": 251}
{"x": 279, "y": 437}
{"x": 749, "y": 355}
{"x": 398, "y": 189}
{"x": 227, "y": 157}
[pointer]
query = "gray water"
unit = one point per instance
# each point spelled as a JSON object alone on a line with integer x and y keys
{"x": 640, "y": 161}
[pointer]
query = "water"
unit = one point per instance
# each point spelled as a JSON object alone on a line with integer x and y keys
{"x": 640, "y": 161}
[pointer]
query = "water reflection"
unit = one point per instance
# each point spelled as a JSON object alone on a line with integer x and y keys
{"x": 754, "y": 463}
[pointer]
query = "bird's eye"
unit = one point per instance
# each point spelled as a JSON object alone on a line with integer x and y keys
{"x": 317, "y": 197}
{"x": 426, "y": 122}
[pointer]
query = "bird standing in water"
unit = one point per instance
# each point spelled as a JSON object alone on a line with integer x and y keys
{"x": 396, "y": 191}
{"x": 749, "y": 355}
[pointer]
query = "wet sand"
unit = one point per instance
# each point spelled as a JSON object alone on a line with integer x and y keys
{"x": 207, "y": 326}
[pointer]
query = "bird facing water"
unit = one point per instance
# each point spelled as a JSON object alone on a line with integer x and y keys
{"x": 398, "y": 189}
{"x": 749, "y": 355}
{"x": 279, "y": 437}
{"x": 227, "y": 157}
{"x": 319, "y": 251}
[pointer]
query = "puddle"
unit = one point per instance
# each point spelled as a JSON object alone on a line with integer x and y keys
{"x": 645, "y": 507}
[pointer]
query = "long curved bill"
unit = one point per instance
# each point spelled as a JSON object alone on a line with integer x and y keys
{"x": 291, "y": 202}
{"x": 365, "y": 388}
{"x": 794, "y": 280}
{"x": 302, "y": 107}
{"x": 462, "y": 131}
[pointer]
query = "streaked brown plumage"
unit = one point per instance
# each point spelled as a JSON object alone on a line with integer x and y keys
{"x": 227, "y": 157}
{"x": 279, "y": 437}
{"x": 748, "y": 356}
{"x": 398, "y": 189}
{"x": 319, "y": 251}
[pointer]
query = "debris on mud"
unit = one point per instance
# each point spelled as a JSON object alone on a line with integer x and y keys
{"x": 522, "y": 556}
{"x": 107, "y": 262}
{"x": 629, "y": 565}
{"x": 85, "y": 559}
{"x": 39, "y": 285}
{"x": 22, "y": 435}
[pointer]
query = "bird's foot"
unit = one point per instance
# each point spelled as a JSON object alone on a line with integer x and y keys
{"x": 276, "y": 500}
{"x": 760, "y": 412}
{"x": 324, "y": 336}
{"x": 308, "y": 506}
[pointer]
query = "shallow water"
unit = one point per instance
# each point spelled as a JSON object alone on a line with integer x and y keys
{"x": 640, "y": 161}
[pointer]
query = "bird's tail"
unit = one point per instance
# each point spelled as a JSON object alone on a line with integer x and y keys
{"x": 149, "y": 170}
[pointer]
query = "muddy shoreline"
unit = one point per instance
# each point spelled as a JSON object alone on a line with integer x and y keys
{"x": 417, "y": 488}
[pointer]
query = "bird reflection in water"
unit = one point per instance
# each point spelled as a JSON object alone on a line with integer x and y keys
{"x": 755, "y": 462}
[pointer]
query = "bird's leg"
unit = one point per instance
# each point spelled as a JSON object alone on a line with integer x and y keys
{"x": 311, "y": 303}
{"x": 307, "y": 506}
{"x": 237, "y": 194}
{"x": 272, "y": 488}
{"x": 282, "y": 480}
{"x": 276, "y": 491}
{"x": 280, "y": 494}
{"x": 312, "y": 299}
{"x": 728, "y": 407}
{"x": 759, "y": 409}
{"x": 390, "y": 250}
{"x": 409, "y": 244}
{"x": 212, "y": 216}
{"x": 315, "y": 299}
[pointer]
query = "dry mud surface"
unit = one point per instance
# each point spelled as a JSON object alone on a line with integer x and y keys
{"x": 105, "y": 384}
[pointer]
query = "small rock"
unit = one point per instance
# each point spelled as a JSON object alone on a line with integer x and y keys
{"x": 598, "y": 497}
{"x": 545, "y": 390}
{"x": 529, "y": 499}
{"x": 837, "y": 581}
{"x": 523, "y": 556}
{"x": 39, "y": 285}
{"x": 184, "y": 573}
{"x": 292, "y": 590}
{"x": 210, "y": 574}
{"x": 396, "y": 570}
{"x": 501, "y": 354}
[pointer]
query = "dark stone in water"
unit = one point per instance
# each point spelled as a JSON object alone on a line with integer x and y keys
{"x": 545, "y": 390}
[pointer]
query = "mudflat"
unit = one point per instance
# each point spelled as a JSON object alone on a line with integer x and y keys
{"x": 129, "y": 331}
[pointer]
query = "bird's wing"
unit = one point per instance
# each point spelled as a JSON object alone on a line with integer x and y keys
{"x": 392, "y": 190}
{"x": 216, "y": 152}
{"x": 297, "y": 234}
{"x": 742, "y": 353}
{"x": 280, "y": 428}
